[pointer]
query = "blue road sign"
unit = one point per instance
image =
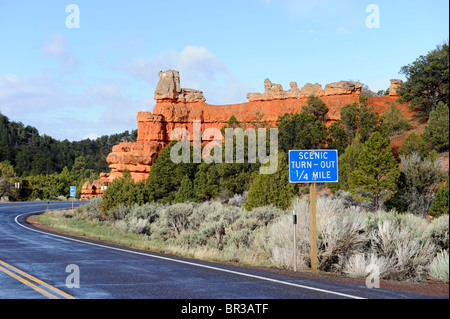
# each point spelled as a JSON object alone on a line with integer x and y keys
{"x": 313, "y": 166}
{"x": 73, "y": 191}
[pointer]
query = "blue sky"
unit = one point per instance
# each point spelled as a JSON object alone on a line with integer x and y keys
{"x": 75, "y": 83}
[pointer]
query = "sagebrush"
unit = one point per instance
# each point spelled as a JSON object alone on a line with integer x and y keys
{"x": 351, "y": 241}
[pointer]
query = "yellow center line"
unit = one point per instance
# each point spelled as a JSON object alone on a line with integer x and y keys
{"x": 15, "y": 273}
{"x": 29, "y": 284}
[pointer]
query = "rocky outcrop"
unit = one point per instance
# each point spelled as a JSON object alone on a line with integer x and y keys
{"x": 136, "y": 157}
{"x": 311, "y": 89}
{"x": 342, "y": 88}
{"x": 95, "y": 188}
{"x": 168, "y": 89}
{"x": 395, "y": 83}
{"x": 275, "y": 91}
{"x": 179, "y": 108}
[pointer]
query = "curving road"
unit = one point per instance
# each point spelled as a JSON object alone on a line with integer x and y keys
{"x": 37, "y": 264}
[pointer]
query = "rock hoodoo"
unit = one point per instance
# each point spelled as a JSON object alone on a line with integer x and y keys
{"x": 394, "y": 85}
{"x": 177, "y": 107}
{"x": 168, "y": 89}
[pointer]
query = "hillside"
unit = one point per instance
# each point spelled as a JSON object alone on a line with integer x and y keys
{"x": 31, "y": 153}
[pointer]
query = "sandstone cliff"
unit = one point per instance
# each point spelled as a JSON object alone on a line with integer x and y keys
{"x": 178, "y": 107}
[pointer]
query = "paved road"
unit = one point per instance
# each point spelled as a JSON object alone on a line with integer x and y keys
{"x": 36, "y": 264}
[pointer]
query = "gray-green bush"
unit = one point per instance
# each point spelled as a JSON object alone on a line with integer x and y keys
{"x": 350, "y": 240}
{"x": 439, "y": 267}
{"x": 90, "y": 211}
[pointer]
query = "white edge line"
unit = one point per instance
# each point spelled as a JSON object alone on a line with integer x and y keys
{"x": 185, "y": 262}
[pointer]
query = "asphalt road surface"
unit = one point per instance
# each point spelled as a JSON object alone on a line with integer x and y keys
{"x": 36, "y": 264}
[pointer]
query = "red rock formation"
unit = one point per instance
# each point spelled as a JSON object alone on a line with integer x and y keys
{"x": 178, "y": 108}
{"x": 96, "y": 188}
{"x": 276, "y": 92}
{"x": 394, "y": 85}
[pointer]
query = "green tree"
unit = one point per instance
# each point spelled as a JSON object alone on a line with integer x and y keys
{"x": 440, "y": 205}
{"x": 394, "y": 122}
{"x": 338, "y": 137}
{"x": 40, "y": 164}
{"x": 122, "y": 191}
{"x": 64, "y": 183}
{"x": 7, "y": 170}
{"x": 272, "y": 189}
{"x": 347, "y": 163}
{"x": 34, "y": 154}
{"x": 383, "y": 92}
{"x": 300, "y": 131}
{"x": 414, "y": 143}
{"x": 7, "y": 181}
{"x": 378, "y": 172}
{"x": 315, "y": 106}
{"x": 235, "y": 177}
{"x": 185, "y": 192}
{"x": 165, "y": 176}
{"x": 436, "y": 132}
{"x": 24, "y": 158}
{"x": 79, "y": 168}
{"x": 207, "y": 182}
{"x": 233, "y": 122}
{"x": 420, "y": 178}
{"x": 368, "y": 119}
{"x": 427, "y": 80}
{"x": 356, "y": 120}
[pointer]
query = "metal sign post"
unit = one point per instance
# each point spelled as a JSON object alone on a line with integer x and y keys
{"x": 73, "y": 193}
{"x": 312, "y": 166}
{"x": 312, "y": 206}
{"x": 295, "y": 239}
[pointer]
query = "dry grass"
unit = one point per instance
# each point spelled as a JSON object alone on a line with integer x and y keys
{"x": 350, "y": 241}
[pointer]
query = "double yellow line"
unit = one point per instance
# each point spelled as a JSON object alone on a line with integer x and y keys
{"x": 33, "y": 282}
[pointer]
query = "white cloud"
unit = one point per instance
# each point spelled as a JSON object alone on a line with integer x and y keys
{"x": 18, "y": 95}
{"x": 47, "y": 103}
{"x": 60, "y": 104}
{"x": 199, "y": 69}
{"x": 343, "y": 30}
{"x": 191, "y": 60}
{"x": 57, "y": 46}
{"x": 118, "y": 108}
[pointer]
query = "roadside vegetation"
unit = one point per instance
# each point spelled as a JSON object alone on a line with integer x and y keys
{"x": 404, "y": 246}
{"x": 389, "y": 210}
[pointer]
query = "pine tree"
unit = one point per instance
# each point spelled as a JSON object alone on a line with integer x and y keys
{"x": 274, "y": 189}
{"x": 185, "y": 192}
{"x": 165, "y": 176}
{"x": 315, "y": 106}
{"x": 436, "y": 132}
{"x": 427, "y": 80}
{"x": 440, "y": 205}
{"x": 348, "y": 163}
{"x": 207, "y": 181}
{"x": 338, "y": 137}
{"x": 420, "y": 178}
{"x": 357, "y": 120}
{"x": 394, "y": 122}
{"x": 300, "y": 131}
{"x": 414, "y": 143}
{"x": 378, "y": 172}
